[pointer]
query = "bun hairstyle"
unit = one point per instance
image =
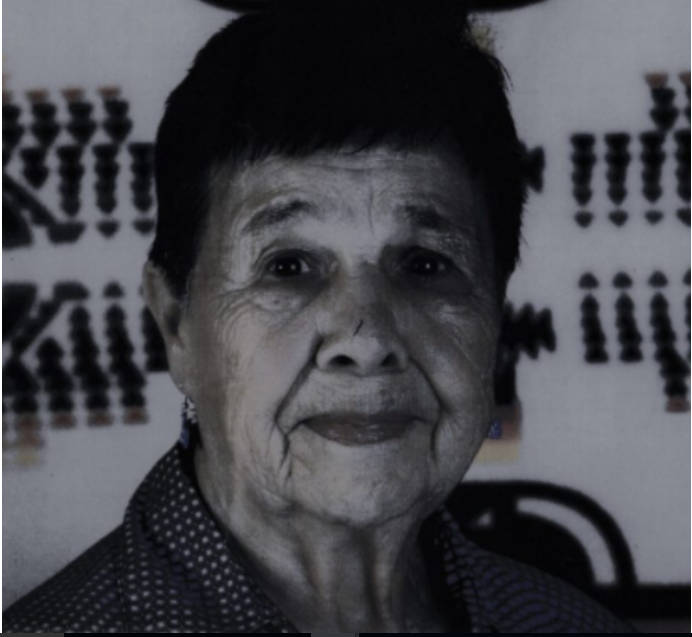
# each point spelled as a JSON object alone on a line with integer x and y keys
{"x": 244, "y": 6}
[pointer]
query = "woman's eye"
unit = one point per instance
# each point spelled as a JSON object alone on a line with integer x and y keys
{"x": 426, "y": 264}
{"x": 288, "y": 266}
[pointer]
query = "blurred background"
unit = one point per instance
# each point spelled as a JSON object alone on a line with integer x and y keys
{"x": 589, "y": 479}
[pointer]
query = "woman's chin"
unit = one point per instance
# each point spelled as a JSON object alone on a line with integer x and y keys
{"x": 364, "y": 482}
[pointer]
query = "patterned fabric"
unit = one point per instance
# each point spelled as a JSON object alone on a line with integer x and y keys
{"x": 170, "y": 568}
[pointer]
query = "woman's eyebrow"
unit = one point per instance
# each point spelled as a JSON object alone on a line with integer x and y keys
{"x": 277, "y": 214}
{"x": 418, "y": 216}
{"x": 427, "y": 217}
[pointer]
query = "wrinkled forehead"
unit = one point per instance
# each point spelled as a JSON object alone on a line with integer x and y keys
{"x": 433, "y": 178}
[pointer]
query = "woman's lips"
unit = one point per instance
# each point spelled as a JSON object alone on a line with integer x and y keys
{"x": 352, "y": 428}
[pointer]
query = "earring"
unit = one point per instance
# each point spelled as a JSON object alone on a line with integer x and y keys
{"x": 495, "y": 431}
{"x": 189, "y": 422}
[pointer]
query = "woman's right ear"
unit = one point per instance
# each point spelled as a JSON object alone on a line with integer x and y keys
{"x": 168, "y": 311}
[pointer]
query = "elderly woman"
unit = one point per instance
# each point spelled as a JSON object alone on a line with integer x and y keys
{"x": 340, "y": 198}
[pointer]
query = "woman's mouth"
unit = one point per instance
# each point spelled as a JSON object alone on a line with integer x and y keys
{"x": 354, "y": 428}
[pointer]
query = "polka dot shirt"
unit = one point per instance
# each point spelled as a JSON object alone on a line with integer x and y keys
{"x": 170, "y": 568}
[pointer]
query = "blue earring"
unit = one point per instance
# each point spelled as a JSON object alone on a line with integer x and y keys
{"x": 189, "y": 422}
{"x": 495, "y": 431}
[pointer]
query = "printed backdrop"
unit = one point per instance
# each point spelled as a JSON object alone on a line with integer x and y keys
{"x": 590, "y": 476}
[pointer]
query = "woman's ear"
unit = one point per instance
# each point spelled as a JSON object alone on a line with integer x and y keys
{"x": 169, "y": 313}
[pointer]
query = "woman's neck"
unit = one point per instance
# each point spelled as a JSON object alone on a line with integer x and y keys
{"x": 332, "y": 577}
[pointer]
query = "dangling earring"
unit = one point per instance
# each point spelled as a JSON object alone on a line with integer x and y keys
{"x": 495, "y": 431}
{"x": 189, "y": 422}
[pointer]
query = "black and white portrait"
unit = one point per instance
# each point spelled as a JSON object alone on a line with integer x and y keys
{"x": 346, "y": 316}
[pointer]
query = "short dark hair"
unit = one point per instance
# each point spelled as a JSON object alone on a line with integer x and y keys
{"x": 310, "y": 75}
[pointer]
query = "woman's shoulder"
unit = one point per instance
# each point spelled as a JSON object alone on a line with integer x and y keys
{"x": 516, "y": 597}
{"x": 82, "y": 597}
{"x": 499, "y": 594}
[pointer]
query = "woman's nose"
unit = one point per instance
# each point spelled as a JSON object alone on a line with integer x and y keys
{"x": 360, "y": 335}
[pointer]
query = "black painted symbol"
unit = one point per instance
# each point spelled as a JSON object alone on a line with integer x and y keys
{"x": 686, "y": 281}
{"x": 57, "y": 383}
{"x": 25, "y": 212}
{"x": 685, "y": 79}
{"x": 654, "y": 217}
{"x": 658, "y": 280}
{"x": 682, "y": 155}
{"x": 622, "y": 281}
{"x": 653, "y": 158}
{"x": 594, "y": 337}
{"x": 588, "y": 281}
{"x": 618, "y": 159}
{"x": 108, "y": 227}
{"x": 12, "y": 130}
{"x": 583, "y": 160}
{"x": 128, "y": 377}
{"x": 81, "y": 124}
{"x": 619, "y": 218}
{"x": 71, "y": 172}
{"x": 87, "y": 368}
{"x": 143, "y": 175}
{"x": 20, "y": 385}
{"x": 673, "y": 368}
{"x": 628, "y": 332}
{"x": 534, "y": 167}
{"x": 20, "y": 201}
{"x": 117, "y": 123}
{"x": 35, "y": 170}
{"x": 664, "y": 113}
{"x": 113, "y": 291}
{"x": 44, "y": 127}
{"x": 523, "y": 331}
{"x": 107, "y": 170}
{"x": 17, "y": 301}
{"x": 144, "y": 226}
{"x": 584, "y": 219}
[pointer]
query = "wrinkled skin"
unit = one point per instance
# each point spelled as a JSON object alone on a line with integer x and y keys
{"x": 339, "y": 341}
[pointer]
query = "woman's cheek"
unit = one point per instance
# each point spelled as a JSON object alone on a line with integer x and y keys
{"x": 470, "y": 330}
{"x": 457, "y": 348}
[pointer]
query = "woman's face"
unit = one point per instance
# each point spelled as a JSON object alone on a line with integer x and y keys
{"x": 340, "y": 335}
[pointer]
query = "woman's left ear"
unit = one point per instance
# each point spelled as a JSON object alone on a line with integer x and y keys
{"x": 169, "y": 313}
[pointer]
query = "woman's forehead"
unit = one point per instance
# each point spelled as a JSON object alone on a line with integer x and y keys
{"x": 384, "y": 177}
